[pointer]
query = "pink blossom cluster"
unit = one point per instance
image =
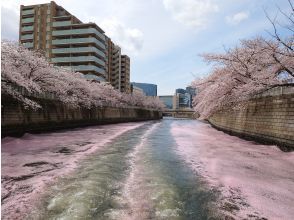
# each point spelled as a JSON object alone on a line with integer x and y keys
{"x": 241, "y": 72}
{"x": 30, "y": 71}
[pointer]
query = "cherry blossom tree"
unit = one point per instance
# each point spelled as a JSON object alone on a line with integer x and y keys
{"x": 27, "y": 76}
{"x": 283, "y": 49}
{"x": 241, "y": 72}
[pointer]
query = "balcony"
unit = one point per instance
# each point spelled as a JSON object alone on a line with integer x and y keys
{"x": 27, "y": 20}
{"x": 78, "y": 59}
{"x": 94, "y": 77}
{"x": 78, "y": 32}
{"x": 78, "y": 50}
{"x": 28, "y": 45}
{"x": 88, "y": 68}
{"x": 27, "y": 37}
{"x": 61, "y": 23}
{"x": 27, "y": 28}
{"x": 79, "y": 41}
{"x": 28, "y": 12}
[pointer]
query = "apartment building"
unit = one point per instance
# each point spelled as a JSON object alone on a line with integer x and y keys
{"x": 115, "y": 71}
{"x": 117, "y": 67}
{"x": 108, "y": 53}
{"x": 65, "y": 40}
{"x": 125, "y": 74}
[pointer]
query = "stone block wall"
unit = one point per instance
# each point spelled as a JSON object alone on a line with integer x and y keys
{"x": 16, "y": 120}
{"x": 268, "y": 117}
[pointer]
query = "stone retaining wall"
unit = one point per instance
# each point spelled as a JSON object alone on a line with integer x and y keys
{"x": 16, "y": 120}
{"x": 268, "y": 117}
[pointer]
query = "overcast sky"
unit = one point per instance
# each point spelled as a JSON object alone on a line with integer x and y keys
{"x": 164, "y": 37}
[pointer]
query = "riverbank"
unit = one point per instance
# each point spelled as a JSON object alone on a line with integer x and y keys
{"x": 255, "y": 181}
{"x": 267, "y": 118}
{"x": 54, "y": 115}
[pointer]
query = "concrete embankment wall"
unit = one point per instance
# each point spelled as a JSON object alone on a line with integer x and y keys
{"x": 16, "y": 120}
{"x": 268, "y": 118}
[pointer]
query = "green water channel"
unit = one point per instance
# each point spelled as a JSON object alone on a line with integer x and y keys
{"x": 138, "y": 175}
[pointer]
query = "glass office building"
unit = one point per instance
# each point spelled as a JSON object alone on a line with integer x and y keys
{"x": 148, "y": 88}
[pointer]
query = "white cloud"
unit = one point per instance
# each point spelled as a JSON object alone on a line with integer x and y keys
{"x": 192, "y": 13}
{"x": 237, "y": 18}
{"x": 130, "y": 39}
{"x": 9, "y": 24}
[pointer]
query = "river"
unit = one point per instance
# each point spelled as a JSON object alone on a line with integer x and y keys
{"x": 168, "y": 169}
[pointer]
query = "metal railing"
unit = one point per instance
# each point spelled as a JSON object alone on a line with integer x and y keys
{"x": 28, "y": 12}
{"x": 78, "y": 50}
{"x": 78, "y": 32}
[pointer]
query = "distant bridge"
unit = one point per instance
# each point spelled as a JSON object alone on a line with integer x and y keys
{"x": 180, "y": 113}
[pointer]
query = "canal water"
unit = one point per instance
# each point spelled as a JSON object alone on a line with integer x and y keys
{"x": 138, "y": 175}
{"x": 169, "y": 169}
